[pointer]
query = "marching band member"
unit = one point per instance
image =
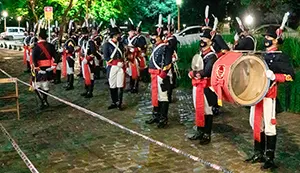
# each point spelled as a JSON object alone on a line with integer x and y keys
{"x": 142, "y": 45}
{"x": 55, "y": 41}
{"x": 26, "y": 44}
{"x": 68, "y": 60}
{"x": 263, "y": 114}
{"x": 97, "y": 43}
{"x": 132, "y": 57}
{"x": 159, "y": 65}
{"x": 113, "y": 54}
{"x": 43, "y": 63}
{"x": 171, "y": 40}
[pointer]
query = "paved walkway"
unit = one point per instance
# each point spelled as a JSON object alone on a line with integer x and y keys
{"x": 63, "y": 139}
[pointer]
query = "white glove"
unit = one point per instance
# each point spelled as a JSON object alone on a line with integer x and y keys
{"x": 42, "y": 72}
{"x": 143, "y": 54}
{"x": 270, "y": 74}
{"x": 120, "y": 64}
{"x": 236, "y": 37}
{"x": 173, "y": 60}
{"x": 84, "y": 61}
{"x": 160, "y": 80}
{"x": 50, "y": 68}
{"x": 131, "y": 49}
{"x": 60, "y": 50}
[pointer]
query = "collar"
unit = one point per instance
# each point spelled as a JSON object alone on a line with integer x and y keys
{"x": 272, "y": 48}
{"x": 41, "y": 41}
{"x": 158, "y": 43}
{"x": 206, "y": 51}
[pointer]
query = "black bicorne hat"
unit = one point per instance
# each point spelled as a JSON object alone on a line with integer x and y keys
{"x": 206, "y": 33}
{"x": 271, "y": 32}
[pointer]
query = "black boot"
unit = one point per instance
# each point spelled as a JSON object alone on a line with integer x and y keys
{"x": 155, "y": 115}
{"x": 170, "y": 91}
{"x": 70, "y": 83}
{"x": 86, "y": 90}
{"x": 259, "y": 149}
{"x": 207, "y": 130}
{"x": 114, "y": 98}
{"x": 270, "y": 153}
{"x": 45, "y": 98}
{"x": 57, "y": 77}
{"x": 163, "y": 120}
{"x": 90, "y": 90}
{"x": 97, "y": 72}
{"x": 131, "y": 84}
{"x": 120, "y": 98}
{"x": 198, "y": 134}
{"x": 40, "y": 96}
{"x": 135, "y": 86}
{"x": 28, "y": 67}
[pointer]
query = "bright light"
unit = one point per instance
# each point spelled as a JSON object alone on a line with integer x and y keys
{"x": 288, "y": 13}
{"x": 4, "y": 14}
{"x": 19, "y": 18}
{"x": 178, "y": 2}
{"x": 229, "y": 18}
{"x": 249, "y": 20}
{"x": 184, "y": 25}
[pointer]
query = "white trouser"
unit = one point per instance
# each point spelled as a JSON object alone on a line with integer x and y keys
{"x": 207, "y": 108}
{"x": 70, "y": 70}
{"x": 170, "y": 74}
{"x": 162, "y": 95}
{"x": 269, "y": 112}
{"x": 96, "y": 62}
{"x": 44, "y": 85}
{"x": 27, "y": 55}
{"x": 58, "y": 67}
{"x": 116, "y": 77}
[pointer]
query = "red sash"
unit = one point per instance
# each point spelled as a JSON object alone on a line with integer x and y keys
{"x": 87, "y": 75}
{"x": 64, "y": 63}
{"x": 25, "y": 55}
{"x": 154, "y": 86}
{"x": 48, "y": 56}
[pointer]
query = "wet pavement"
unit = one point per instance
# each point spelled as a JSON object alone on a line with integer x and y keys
{"x": 63, "y": 139}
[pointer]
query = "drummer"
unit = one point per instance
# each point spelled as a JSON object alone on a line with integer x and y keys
{"x": 263, "y": 115}
{"x": 203, "y": 101}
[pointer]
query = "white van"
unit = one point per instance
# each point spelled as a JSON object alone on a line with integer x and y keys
{"x": 13, "y": 33}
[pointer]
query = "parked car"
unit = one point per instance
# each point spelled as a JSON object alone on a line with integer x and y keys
{"x": 188, "y": 35}
{"x": 288, "y": 32}
{"x": 13, "y": 33}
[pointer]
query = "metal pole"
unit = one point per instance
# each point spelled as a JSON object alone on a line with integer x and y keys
{"x": 19, "y": 26}
{"x": 49, "y": 31}
{"x": 4, "y": 23}
{"x": 178, "y": 17}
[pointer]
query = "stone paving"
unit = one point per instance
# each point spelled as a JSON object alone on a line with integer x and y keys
{"x": 63, "y": 139}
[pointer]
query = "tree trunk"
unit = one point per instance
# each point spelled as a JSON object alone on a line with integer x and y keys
{"x": 32, "y": 5}
{"x": 64, "y": 19}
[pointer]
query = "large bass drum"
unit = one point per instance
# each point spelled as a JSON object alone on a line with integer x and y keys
{"x": 240, "y": 78}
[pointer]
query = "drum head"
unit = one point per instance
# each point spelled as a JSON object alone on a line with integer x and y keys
{"x": 197, "y": 63}
{"x": 248, "y": 83}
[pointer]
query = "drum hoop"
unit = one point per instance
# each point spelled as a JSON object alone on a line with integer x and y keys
{"x": 262, "y": 95}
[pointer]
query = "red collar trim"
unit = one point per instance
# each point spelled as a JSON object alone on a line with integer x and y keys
{"x": 271, "y": 49}
{"x": 206, "y": 51}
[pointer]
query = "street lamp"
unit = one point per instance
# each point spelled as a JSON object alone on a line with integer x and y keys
{"x": 178, "y": 3}
{"x": 19, "y": 20}
{"x": 4, "y": 14}
{"x": 249, "y": 20}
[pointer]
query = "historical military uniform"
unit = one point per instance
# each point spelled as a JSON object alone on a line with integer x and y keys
{"x": 160, "y": 64}
{"x": 68, "y": 62}
{"x": 171, "y": 41}
{"x": 142, "y": 55}
{"x": 243, "y": 40}
{"x": 43, "y": 62}
{"x": 90, "y": 53}
{"x": 113, "y": 55}
{"x": 58, "y": 60}
{"x": 96, "y": 38}
{"x": 263, "y": 114}
{"x": 204, "y": 98}
{"x": 132, "y": 53}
